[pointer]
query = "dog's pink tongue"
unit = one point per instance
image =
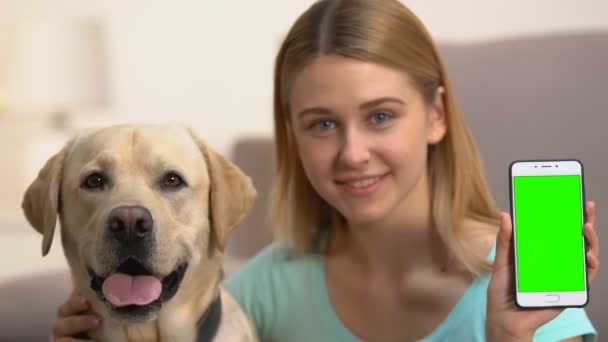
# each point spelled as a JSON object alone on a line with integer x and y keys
{"x": 122, "y": 289}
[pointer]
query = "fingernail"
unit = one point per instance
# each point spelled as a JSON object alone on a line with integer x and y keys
{"x": 95, "y": 322}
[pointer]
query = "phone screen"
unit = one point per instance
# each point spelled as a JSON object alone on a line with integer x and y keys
{"x": 549, "y": 234}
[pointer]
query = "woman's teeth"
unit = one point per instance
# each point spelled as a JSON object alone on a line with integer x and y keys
{"x": 363, "y": 183}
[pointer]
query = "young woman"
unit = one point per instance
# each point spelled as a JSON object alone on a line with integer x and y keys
{"x": 390, "y": 232}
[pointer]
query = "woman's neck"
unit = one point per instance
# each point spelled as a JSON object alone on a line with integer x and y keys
{"x": 404, "y": 239}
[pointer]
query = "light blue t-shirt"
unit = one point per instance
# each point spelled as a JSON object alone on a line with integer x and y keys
{"x": 287, "y": 299}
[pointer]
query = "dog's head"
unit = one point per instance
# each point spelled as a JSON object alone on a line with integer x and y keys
{"x": 145, "y": 214}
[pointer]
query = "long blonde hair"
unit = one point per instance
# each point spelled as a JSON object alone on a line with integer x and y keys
{"x": 387, "y": 33}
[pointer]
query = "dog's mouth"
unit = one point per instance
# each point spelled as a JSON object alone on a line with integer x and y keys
{"x": 132, "y": 289}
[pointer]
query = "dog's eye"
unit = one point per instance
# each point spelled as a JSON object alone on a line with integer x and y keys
{"x": 172, "y": 180}
{"x": 94, "y": 181}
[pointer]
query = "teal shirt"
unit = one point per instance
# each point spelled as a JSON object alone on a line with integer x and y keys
{"x": 287, "y": 299}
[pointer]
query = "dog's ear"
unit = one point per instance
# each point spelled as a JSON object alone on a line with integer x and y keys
{"x": 41, "y": 200}
{"x": 231, "y": 196}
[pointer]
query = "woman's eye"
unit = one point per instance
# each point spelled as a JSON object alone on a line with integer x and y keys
{"x": 324, "y": 125}
{"x": 95, "y": 181}
{"x": 380, "y": 118}
{"x": 172, "y": 180}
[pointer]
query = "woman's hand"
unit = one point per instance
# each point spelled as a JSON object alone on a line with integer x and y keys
{"x": 73, "y": 318}
{"x": 507, "y": 322}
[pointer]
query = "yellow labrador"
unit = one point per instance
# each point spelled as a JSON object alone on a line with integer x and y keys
{"x": 145, "y": 214}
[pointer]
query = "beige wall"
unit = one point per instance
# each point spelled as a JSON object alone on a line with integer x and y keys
{"x": 209, "y": 63}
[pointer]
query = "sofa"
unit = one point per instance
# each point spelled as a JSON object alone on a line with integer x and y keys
{"x": 530, "y": 97}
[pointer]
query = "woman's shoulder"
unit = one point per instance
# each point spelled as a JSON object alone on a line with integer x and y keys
{"x": 274, "y": 283}
{"x": 280, "y": 253}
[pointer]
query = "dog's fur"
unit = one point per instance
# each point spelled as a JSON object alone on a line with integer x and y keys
{"x": 191, "y": 223}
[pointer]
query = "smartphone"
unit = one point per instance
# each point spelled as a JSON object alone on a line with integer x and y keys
{"x": 549, "y": 248}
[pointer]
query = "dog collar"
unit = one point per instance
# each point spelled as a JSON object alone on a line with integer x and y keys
{"x": 210, "y": 322}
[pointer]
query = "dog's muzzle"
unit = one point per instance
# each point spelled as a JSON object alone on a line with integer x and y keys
{"x": 132, "y": 289}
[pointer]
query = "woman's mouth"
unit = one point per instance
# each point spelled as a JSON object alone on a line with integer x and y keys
{"x": 361, "y": 186}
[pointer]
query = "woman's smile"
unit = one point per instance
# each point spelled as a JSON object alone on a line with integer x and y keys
{"x": 364, "y": 186}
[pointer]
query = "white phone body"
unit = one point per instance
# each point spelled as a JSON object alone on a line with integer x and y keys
{"x": 549, "y": 248}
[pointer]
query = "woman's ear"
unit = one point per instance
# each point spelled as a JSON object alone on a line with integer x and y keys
{"x": 437, "y": 123}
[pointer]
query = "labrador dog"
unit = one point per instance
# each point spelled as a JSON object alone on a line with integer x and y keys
{"x": 145, "y": 214}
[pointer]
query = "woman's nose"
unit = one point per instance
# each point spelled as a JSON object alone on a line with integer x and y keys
{"x": 354, "y": 150}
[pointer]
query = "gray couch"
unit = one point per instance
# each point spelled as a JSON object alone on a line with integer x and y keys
{"x": 528, "y": 97}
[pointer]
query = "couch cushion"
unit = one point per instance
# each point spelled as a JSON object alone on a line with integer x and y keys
{"x": 29, "y": 305}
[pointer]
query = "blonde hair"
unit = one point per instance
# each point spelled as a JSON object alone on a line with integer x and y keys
{"x": 387, "y": 33}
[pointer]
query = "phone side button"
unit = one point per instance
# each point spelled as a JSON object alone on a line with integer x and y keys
{"x": 551, "y": 298}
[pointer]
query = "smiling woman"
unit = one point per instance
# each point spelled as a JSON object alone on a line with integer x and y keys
{"x": 389, "y": 226}
{"x": 364, "y": 137}
{"x": 361, "y": 63}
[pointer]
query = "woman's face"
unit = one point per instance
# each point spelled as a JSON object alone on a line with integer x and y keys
{"x": 362, "y": 131}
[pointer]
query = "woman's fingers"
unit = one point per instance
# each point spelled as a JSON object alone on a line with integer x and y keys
{"x": 72, "y": 319}
{"x": 593, "y": 251}
{"x": 590, "y": 212}
{"x": 72, "y": 325}
{"x": 593, "y": 243}
{"x": 74, "y": 305}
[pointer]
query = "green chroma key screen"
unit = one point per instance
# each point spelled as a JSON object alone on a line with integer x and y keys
{"x": 548, "y": 213}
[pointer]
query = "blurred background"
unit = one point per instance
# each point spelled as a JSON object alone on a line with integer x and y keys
{"x": 530, "y": 76}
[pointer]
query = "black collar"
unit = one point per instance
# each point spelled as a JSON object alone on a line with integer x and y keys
{"x": 210, "y": 322}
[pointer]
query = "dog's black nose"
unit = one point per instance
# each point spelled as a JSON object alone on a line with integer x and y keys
{"x": 130, "y": 224}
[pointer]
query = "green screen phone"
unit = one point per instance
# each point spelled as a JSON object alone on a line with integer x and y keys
{"x": 547, "y": 207}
